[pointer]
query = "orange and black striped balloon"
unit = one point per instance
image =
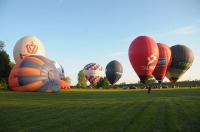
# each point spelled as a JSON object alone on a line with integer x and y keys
{"x": 34, "y": 73}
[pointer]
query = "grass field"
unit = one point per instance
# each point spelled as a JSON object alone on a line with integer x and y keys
{"x": 167, "y": 110}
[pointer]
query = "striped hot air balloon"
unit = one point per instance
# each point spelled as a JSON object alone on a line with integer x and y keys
{"x": 93, "y": 72}
{"x": 34, "y": 74}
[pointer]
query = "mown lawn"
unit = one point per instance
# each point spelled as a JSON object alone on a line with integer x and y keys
{"x": 166, "y": 110}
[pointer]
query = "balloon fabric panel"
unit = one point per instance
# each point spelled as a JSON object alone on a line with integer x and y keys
{"x": 30, "y": 65}
{"x": 34, "y": 73}
{"x": 24, "y": 80}
{"x": 28, "y": 72}
{"x": 29, "y": 87}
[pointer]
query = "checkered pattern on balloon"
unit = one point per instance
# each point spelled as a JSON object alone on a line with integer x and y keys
{"x": 93, "y": 72}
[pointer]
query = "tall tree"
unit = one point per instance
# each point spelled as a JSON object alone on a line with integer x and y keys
{"x": 67, "y": 79}
{"x": 82, "y": 81}
{"x": 5, "y": 64}
{"x": 2, "y": 45}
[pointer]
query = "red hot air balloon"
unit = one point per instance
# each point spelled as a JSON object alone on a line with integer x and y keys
{"x": 163, "y": 62}
{"x": 143, "y": 56}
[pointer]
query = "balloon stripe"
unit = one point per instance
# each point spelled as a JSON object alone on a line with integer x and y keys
{"x": 14, "y": 82}
{"x": 28, "y": 72}
{"x": 45, "y": 60}
{"x": 29, "y": 87}
{"x": 28, "y": 79}
{"x": 30, "y": 64}
{"x": 35, "y": 60}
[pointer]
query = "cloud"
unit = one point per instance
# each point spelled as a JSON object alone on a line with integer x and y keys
{"x": 118, "y": 54}
{"x": 180, "y": 31}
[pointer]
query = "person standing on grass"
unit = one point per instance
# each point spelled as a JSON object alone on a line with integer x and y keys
{"x": 149, "y": 89}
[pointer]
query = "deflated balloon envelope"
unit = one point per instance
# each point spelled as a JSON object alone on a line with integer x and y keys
{"x": 114, "y": 71}
{"x": 143, "y": 56}
{"x": 93, "y": 72}
{"x": 34, "y": 73}
{"x": 182, "y": 59}
{"x": 64, "y": 85}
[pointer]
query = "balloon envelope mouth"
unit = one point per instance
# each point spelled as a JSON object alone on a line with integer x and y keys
{"x": 51, "y": 76}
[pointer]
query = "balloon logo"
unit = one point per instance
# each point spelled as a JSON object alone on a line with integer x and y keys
{"x": 93, "y": 72}
{"x": 114, "y": 71}
{"x": 28, "y": 45}
{"x": 182, "y": 59}
{"x": 163, "y": 62}
{"x": 143, "y": 55}
{"x": 34, "y": 74}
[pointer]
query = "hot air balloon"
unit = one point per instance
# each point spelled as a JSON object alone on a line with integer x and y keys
{"x": 59, "y": 69}
{"x": 93, "y": 72}
{"x": 28, "y": 45}
{"x": 182, "y": 59}
{"x": 64, "y": 85}
{"x": 34, "y": 73}
{"x": 143, "y": 56}
{"x": 163, "y": 62}
{"x": 114, "y": 71}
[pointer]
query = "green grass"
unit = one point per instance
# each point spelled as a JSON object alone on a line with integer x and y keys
{"x": 166, "y": 110}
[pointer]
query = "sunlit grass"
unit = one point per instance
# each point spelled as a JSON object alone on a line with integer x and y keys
{"x": 101, "y": 110}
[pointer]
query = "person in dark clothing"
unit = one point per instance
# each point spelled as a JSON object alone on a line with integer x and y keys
{"x": 149, "y": 89}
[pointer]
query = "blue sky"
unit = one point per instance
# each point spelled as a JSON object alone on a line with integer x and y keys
{"x": 77, "y": 32}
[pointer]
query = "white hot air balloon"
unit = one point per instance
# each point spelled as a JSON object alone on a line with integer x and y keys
{"x": 28, "y": 45}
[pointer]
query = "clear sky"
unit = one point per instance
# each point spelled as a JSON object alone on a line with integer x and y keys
{"x": 78, "y": 32}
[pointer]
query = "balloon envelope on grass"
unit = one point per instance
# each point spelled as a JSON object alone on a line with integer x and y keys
{"x": 64, "y": 85}
{"x": 34, "y": 74}
{"x": 114, "y": 71}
